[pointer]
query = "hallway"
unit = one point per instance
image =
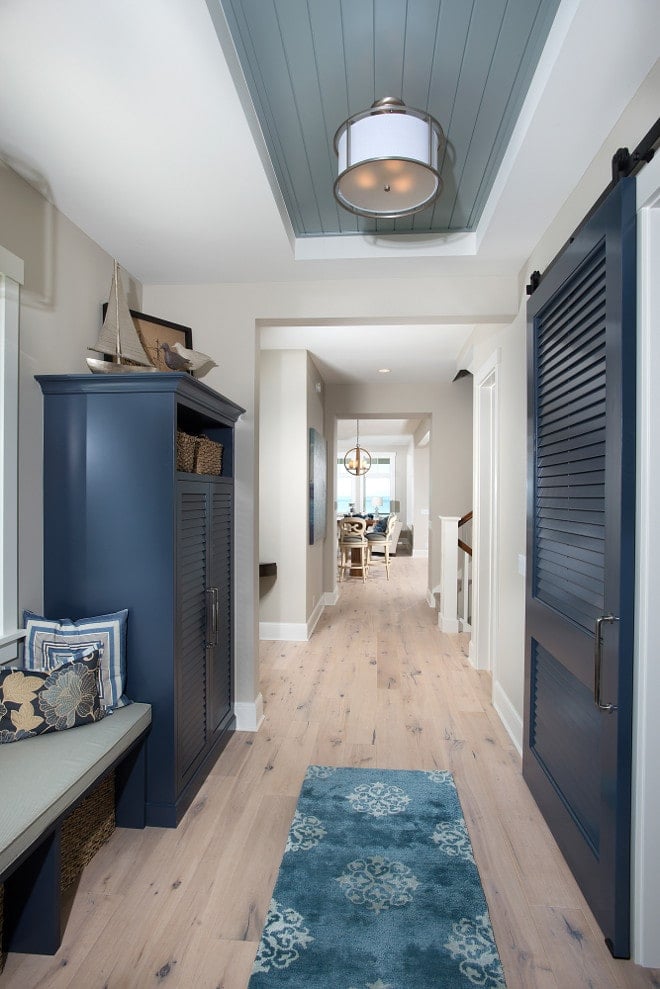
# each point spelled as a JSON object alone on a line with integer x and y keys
{"x": 378, "y": 685}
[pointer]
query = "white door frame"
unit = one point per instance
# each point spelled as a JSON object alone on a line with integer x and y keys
{"x": 645, "y": 891}
{"x": 483, "y": 651}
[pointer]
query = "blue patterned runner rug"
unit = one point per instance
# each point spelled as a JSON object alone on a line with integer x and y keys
{"x": 378, "y": 889}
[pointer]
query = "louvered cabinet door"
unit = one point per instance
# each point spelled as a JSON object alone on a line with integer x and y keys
{"x": 221, "y": 652}
{"x": 580, "y": 552}
{"x": 191, "y": 625}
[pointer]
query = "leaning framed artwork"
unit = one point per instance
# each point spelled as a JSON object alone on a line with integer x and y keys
{"x": 154, "y": 332}
{"x": 317, "y": 487}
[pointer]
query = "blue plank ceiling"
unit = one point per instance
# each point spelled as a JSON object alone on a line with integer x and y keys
{"x": 309, "y": 64}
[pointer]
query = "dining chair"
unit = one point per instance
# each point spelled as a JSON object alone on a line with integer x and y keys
{"x": 353, "y": 547}
{"x": 381, "y": 540}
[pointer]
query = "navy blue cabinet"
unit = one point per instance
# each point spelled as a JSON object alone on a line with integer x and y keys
{"x": 123, "y": 528}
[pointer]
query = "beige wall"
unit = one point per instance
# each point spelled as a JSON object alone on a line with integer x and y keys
{"x": 510, "y": 342}
{"x": 283, "y": 496}
{"x": 315, "y": 553}
{"x": 445, "y": 486}
{"x": 67, "y": 278}
{"x": 289, "y": 406}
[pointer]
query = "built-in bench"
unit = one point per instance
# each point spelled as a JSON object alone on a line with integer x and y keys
{"x": 42, "y": 780}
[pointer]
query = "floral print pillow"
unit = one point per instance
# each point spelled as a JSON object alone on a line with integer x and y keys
{"x": 33, "y": 702}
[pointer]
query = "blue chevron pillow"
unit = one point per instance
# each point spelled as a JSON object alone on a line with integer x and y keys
{"x": 49, "y": 644}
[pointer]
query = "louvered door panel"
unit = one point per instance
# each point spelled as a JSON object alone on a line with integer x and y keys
{"x": 580, "y": 548}
{"x": 221, "y": 543}
{"x": 192, "y": 535}
{"x": 569, "y": 507}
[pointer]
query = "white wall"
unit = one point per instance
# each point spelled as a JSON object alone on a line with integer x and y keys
{"x": 67, "y": 278}
{"x": 442, "y": 484}
{"x": 646, "y": 679}
{"x": 508, "y": 690}
{"x": 511, "y": 343}
{"x": 421, "y": 512}
{"x": 225, "y": 320}
{"x": 315, "y": 553}
{"x": 283, "y": 494}
{"x": 290, "y": 405}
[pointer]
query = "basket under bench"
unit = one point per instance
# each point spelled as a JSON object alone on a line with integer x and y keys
{"x": 43, "y": 780}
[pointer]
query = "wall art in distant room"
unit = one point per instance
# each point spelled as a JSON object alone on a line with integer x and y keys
{"x": 317, "y": 487}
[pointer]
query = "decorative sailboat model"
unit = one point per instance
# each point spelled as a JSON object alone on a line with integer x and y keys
{"x": 119, "y": 337}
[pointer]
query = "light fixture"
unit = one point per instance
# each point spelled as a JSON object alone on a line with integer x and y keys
{"x": 357, "y": 461}
{"x": 384, "y": 370}
{"x": 388, "y": 160}
{"x": 377, "y": 503}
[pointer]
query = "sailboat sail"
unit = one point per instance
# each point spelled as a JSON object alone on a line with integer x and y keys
{"x": 118, "y": 335}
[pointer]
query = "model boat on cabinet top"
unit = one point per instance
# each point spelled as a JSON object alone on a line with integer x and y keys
{"x": 119, "y": 337}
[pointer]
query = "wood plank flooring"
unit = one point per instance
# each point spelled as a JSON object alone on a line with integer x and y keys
{"x": 377, "y": 685}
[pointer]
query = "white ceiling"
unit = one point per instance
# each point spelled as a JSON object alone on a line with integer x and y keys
{"x": 131, "y": 118}
{"x": 414, "y": 354}
{"x": 126, "y": 116}
{"x": 377, "y": 430}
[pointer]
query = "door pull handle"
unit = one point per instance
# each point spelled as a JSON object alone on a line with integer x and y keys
{"x": 211, "y": 617}
{"x": 216, "y": 616}
{"x": 598, "y": 662}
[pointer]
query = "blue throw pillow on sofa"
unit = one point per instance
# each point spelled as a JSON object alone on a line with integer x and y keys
{"x": 48, "y": 644}
{"x": 381, "y": 524}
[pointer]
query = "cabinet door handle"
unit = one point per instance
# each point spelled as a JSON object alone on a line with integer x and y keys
{"x": 598, "y": 662}
{"x": 211, "y": 617}
{"x": 216, "y": 616}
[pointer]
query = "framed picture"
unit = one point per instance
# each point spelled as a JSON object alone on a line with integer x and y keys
{"x": 317, "y": 486}
{"x": 154, "y": 332}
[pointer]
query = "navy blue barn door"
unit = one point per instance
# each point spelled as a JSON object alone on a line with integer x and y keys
{"x": 580, "y": 551}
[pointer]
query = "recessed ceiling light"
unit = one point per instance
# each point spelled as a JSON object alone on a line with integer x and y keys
{"x": 384, "y": 370}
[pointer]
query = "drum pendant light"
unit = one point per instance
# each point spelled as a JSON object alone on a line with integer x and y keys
{"x": 357, "y": 461}
{"x": 388, "y": 160}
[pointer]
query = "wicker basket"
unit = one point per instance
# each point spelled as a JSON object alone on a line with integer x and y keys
{"x": 185, "y": 451}
{"x": 86, "y": 829}
{"x": 208, "y": 456}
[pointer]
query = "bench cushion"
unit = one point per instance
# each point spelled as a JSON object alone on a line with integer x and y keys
{"x": 41, "y": 777}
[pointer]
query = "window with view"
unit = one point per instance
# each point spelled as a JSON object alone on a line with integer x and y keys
{"x": 370, "y": 493}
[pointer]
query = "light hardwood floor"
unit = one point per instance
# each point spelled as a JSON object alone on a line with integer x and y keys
{"x": 377, "y": 685}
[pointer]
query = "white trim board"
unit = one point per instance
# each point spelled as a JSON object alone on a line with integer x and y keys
{"x": 297, "y": 631}
{"x": 645, "y": 890}
{"x": 249, "y": 715}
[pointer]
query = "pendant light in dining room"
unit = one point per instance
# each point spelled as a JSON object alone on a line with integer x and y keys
{"x": 357, "y": 460}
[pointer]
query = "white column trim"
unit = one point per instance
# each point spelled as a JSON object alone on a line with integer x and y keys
{"x": 249, "y": 715}
{"x": 645, "y": 890}
{"x": 11, "y": 278}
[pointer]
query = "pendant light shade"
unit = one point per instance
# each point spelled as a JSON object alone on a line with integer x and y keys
{"x": 388, "y": 160}
{"x": 357, "y": 460}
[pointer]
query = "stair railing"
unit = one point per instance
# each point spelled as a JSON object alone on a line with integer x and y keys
{"x": 455, "y": 612}
{"x": 464, "y": 576}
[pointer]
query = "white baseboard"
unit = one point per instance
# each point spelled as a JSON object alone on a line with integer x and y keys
{"x": 430, "y": 599}
{"x": 249, "y": 715}
{"x": 449, "y": 625}
{"x": 508, "y": 716}
{"x": 313, "y": 619}
{"x": 297, "y": 631}
{"x": 283, "y": 631}
{"x": 472, "y": 653}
